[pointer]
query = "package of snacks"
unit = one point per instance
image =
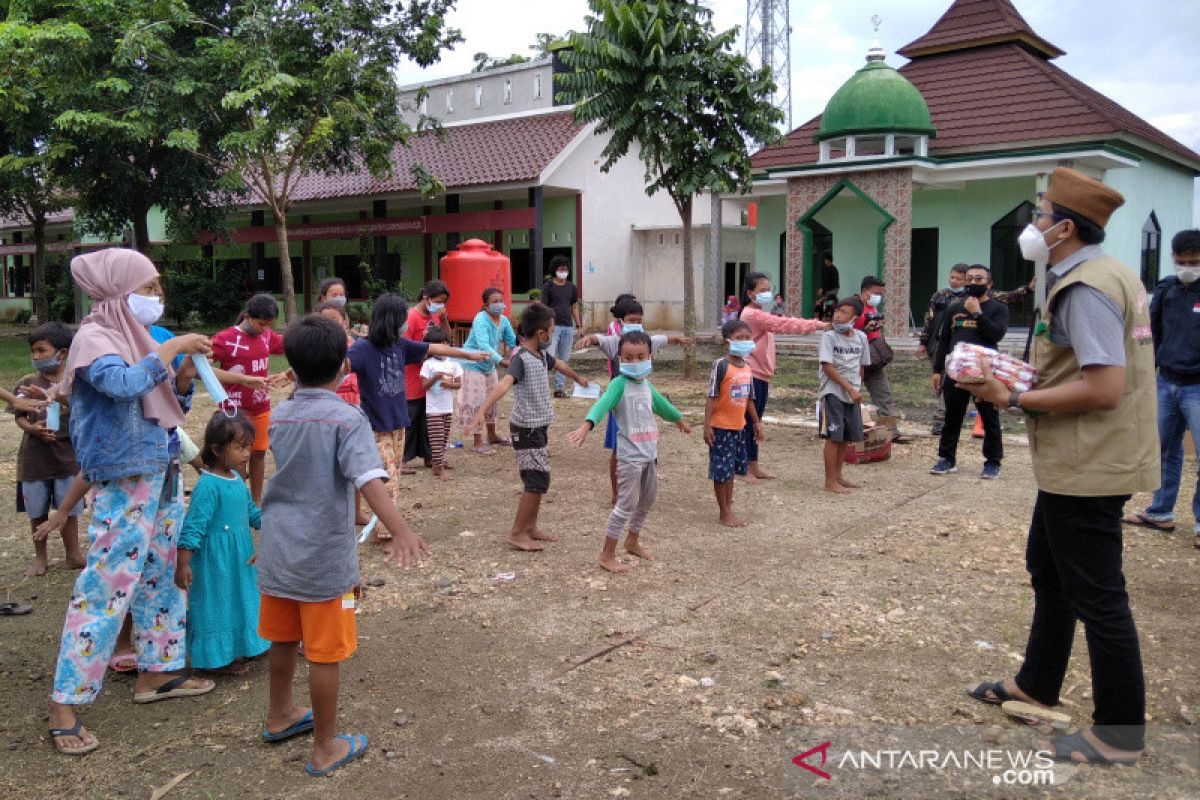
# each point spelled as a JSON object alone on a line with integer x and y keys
{"x": 964, "y": 364}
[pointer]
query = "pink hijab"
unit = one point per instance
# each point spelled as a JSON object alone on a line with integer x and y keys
{"x": 109, "y": 276}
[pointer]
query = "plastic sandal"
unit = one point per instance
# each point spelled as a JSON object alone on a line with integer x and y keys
{"x": 1069, "y": 744}
{"x": 302, "y": 725}
{"x": 15, "y": 609}
{"x": 57, "y": 733}
{"x": 997, "y": 692}
{"x": 356, "y": 751}
{"x": 170, "y": 689}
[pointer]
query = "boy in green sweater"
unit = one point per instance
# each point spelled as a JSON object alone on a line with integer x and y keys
{"x": 634, "y": 402}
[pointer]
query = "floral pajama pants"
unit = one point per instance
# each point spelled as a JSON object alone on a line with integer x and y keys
{"x": 391, "y": 449}
{"x": 130, "y": 568}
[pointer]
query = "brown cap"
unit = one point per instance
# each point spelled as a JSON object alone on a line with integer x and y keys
{"x": 1085, "y": 196}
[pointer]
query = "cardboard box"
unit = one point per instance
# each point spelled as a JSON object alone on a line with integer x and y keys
{"x": 876, "y": 446}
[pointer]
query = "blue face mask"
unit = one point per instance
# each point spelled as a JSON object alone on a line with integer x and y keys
{"x": 626, "y": 327}
{"x": 764, "y": 298}
{"x": 636, "y": 369}
{"x": 741, "y": 347}
{"x": 434, "y": 308}
{"x": 842, "y": 327}
{"x": 45, "y": 365}
{"x": 496, "y": 309}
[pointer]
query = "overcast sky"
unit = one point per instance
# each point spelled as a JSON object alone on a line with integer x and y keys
{"x": 1148, "y": 60}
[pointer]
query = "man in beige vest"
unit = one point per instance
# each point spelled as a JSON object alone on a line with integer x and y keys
{"x": 1093, "y": 438}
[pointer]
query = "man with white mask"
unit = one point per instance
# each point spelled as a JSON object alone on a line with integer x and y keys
{"x": 1175, "y": 324}
{"x": 1092, "y": 441}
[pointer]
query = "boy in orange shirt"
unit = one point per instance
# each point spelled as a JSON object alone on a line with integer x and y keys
{"x": 730, "y": 392}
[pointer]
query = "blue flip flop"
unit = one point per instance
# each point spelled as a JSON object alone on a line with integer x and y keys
{"x": 302, "y": 725}
{"x": 358, "y": 747}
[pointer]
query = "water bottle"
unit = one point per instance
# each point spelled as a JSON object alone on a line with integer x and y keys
{"x": 457, "y": 445}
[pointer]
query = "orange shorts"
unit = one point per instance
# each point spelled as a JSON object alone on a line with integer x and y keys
{"x": 327, "y": 628}
{"x": 262, "y": 431}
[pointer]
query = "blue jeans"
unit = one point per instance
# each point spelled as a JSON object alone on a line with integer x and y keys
{"x": 1178, "y": 412}
{"x": 561, "y": 342}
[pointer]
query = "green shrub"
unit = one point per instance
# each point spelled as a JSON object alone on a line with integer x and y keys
{"x": 359, "y": 312}
{"x": 23, "y": 316}
{"x": 60, "y": 289}
{"x": 202, "y": 292}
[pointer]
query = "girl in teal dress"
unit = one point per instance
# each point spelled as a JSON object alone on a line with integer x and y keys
{"x": 216, "y": 553}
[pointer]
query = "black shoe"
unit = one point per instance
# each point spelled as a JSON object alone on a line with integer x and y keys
{"x": 559, "y": 393}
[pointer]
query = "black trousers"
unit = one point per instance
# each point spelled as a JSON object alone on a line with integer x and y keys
{"x": 956, "y": 409}
{"x": 1074, "y": 559}
{"x": 416, "y": 435}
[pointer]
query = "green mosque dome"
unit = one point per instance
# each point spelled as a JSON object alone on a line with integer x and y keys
{"x": 876, "y": 99}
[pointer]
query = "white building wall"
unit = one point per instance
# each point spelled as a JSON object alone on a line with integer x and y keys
{"x": 1158, "y": 186}
{"x": 524, "y": 78}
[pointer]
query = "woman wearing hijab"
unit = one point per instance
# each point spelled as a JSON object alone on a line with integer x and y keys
{"x": 125, "y": 398}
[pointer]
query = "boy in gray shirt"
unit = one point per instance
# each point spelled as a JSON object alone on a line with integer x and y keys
{"x": 844, "y": 354}
{"x": 529, "y": 370}
{"x": 307, "y": 554}
{"x": 634, "y": 402}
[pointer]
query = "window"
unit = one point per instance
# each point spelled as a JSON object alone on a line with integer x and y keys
{"x": 450, "y": 101}
{"x": 478, "y": 95}
{"x": 1151, "y": 251}
{"x": 507, "y": 90}
{"x": 537, "y": 86}
{"x": 423, "y": 106}
{"x": 870, "y": 145}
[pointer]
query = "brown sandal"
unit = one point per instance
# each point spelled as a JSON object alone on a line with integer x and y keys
{"x": 1140, "y": 520}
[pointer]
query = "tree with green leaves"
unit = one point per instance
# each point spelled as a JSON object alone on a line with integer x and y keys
{"x": 311, "y": 89}
{"x": 656, "y": 76}
{"x": 39, "y": 55}
{"x": 484, "y": 62}
{"x": 140, "y": 118}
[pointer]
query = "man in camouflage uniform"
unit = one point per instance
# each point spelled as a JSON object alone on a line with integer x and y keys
{"x": 939, "y": 302}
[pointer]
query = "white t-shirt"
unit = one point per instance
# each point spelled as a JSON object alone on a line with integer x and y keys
{"x": 439, "y": 400}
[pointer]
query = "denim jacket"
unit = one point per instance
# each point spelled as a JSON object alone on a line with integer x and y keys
{"x": 112, "y": 438}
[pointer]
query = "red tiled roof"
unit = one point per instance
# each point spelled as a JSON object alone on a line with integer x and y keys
{"x": 507, "y": 151}
{"x": 975, "y": 22}
{"x": 995, "y": 97}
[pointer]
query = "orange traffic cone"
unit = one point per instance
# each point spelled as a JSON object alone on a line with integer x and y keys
{"x": 977, "y": 431}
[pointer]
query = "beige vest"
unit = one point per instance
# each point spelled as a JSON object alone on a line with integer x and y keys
{"x": 1099, "y": 453}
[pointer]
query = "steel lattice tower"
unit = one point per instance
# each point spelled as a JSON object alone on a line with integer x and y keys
{"x": 769, "y": 44}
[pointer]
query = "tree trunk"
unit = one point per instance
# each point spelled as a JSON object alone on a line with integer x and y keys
{"x": 689, "y": 289}
{"x": 285, "y": 267}
{"x": 141, "y": 231}
{"x": 41, "y": 301}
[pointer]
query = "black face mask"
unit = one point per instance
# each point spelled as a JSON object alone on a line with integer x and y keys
{"x": 976, "y": 290}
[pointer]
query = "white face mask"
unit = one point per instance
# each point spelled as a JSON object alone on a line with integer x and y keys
{"x": 336, "y": 302}
{"x": 1188, "y": 274}
{"x": 562, "y": 276}
{"x": 875, "y": 300}
{"x": 146, "y": 309}
{"x": 1033, "y": 243}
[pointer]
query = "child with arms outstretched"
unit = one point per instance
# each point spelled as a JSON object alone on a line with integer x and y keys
{"x": 635, "y": 402}
{"x": 529, "y": 370}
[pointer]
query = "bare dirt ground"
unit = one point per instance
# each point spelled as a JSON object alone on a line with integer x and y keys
{"x": 698, "y": 675}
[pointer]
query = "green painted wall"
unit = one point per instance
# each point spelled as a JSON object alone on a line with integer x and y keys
{"x": 772, "y": 221}
{"x": 964, "y": 218}
{"x": 855, "y": 228}
{"x": 1155, "y": 186}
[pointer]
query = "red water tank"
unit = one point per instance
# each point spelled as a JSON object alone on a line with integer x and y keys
{"x": 470, "y": 269}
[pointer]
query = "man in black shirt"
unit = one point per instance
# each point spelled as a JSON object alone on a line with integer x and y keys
{"x": 977, "y": 319}
{"x": 561, "y": 295}
{"x": 830, "y": 286}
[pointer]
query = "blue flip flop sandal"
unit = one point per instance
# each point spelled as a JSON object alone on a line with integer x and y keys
{"x": 358, "y": 747}
{"x": 302, "y": 725}
{"x": 1065, "y": 747}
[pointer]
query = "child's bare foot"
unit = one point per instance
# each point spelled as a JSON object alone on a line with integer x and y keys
{"x": 731, "y": 521}
{"x": 836, "y": 488}
{"x": 635, "y": 548}
{"x": 447, "y": 465}
{"x": 748, "y": 478}
{"x": 523, "y": 541}
{"x": 76, "y": 561}
{"x": 542, "y": 536}
{"x": 613, "y": 564}
{"x": 37, "y": 568}
{"x": 761, "y": 474}
{"x": 441, "y": 474}
{"x": 848, "y": 484}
